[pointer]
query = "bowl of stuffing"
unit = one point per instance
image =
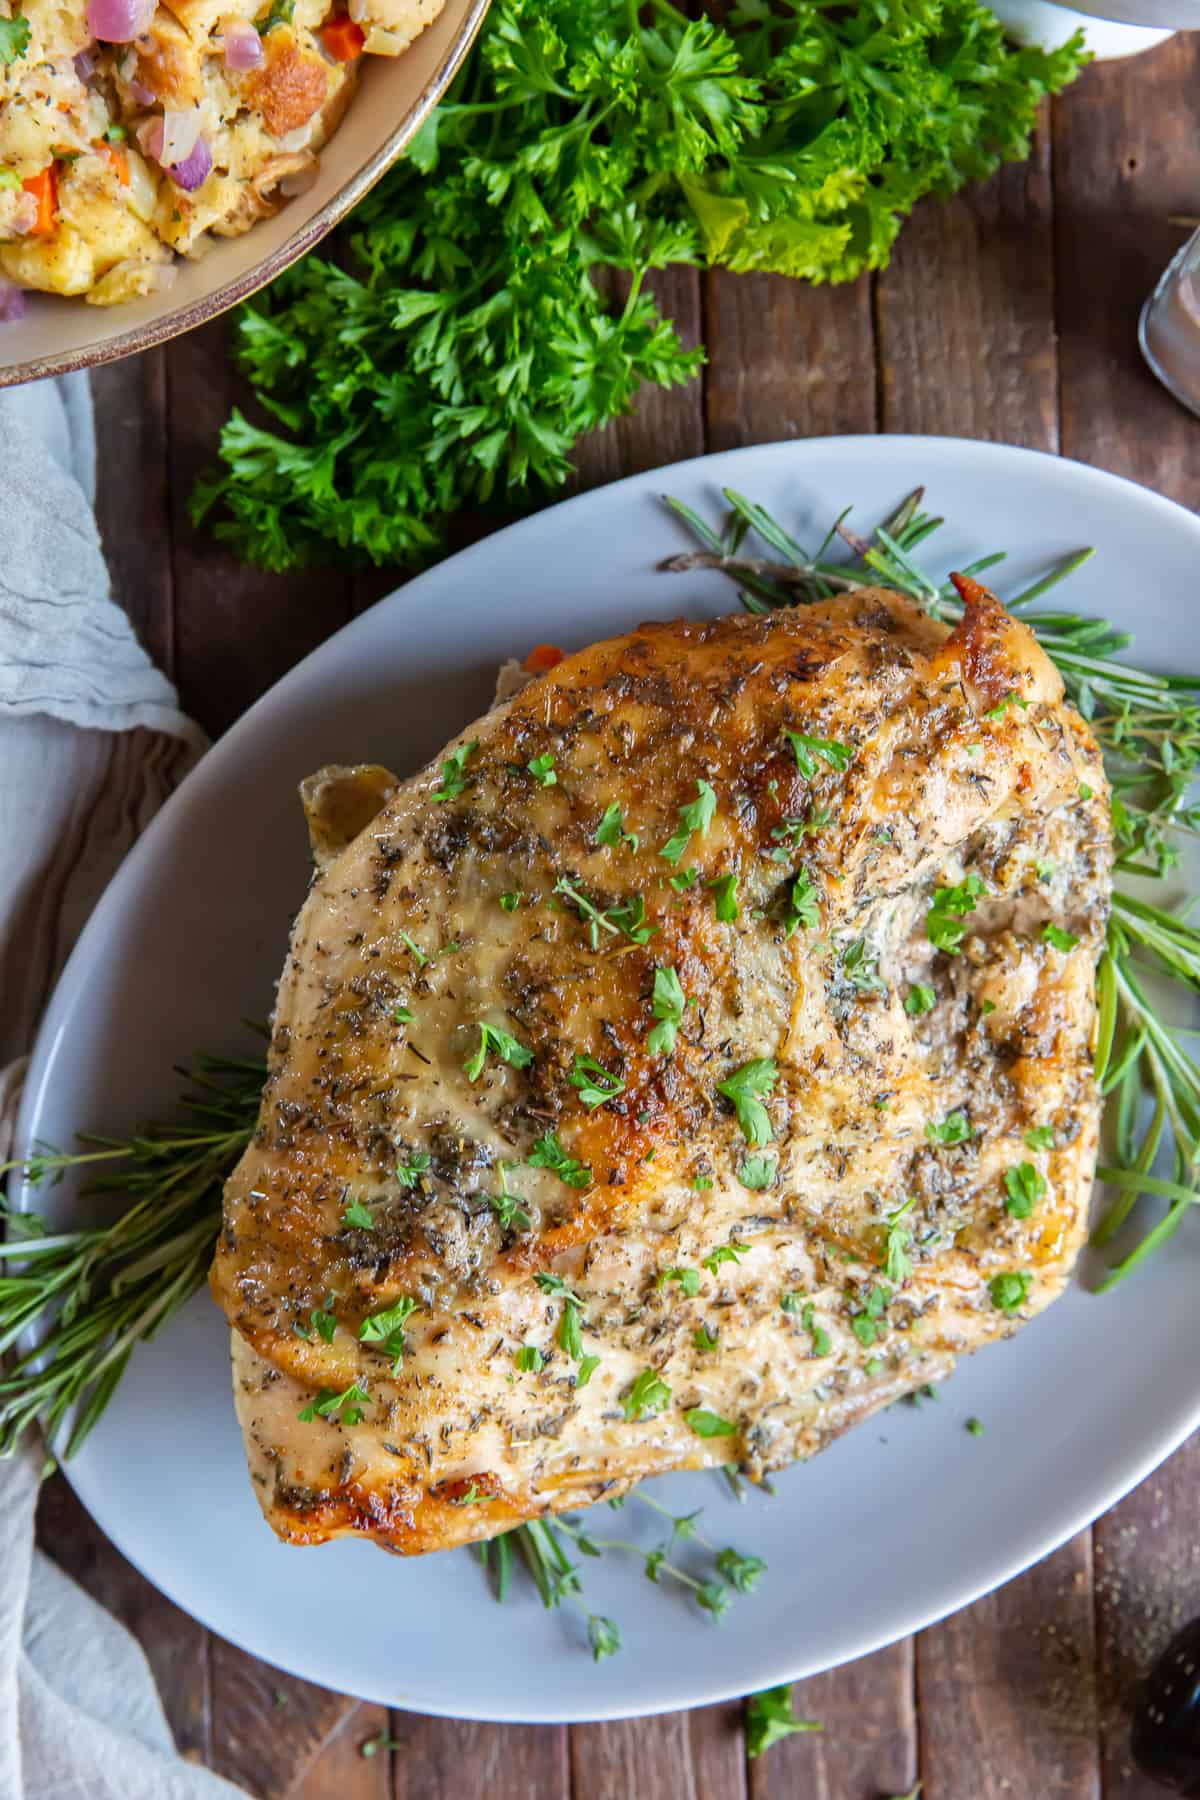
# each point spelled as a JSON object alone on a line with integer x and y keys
{"x": 159, "y": 163}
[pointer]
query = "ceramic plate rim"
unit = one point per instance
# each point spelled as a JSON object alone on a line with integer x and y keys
{"x": 1056, "y": 1525}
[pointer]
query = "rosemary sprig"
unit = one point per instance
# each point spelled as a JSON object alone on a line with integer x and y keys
{"x": 87, "y": 1297}
{"x": 1148, "y": 727}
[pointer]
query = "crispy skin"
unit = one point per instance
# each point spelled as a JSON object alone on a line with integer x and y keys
{"x": 948, "y": 777}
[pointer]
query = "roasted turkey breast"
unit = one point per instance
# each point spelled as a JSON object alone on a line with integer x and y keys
{"x": 691, "y": 1061}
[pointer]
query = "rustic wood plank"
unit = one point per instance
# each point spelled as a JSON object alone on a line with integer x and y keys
{"x": 132, "y": 494}
{"x": 355, "y": 1764}
{"x": 1126, "y": 159}
{"x": 1015, "y": 1673}
{"x": 236, "y": 630}
{"x": 786, "y": 360}
{"x": 867, "y": 1745}
{"x": 676, "y": 1756}
{"x": 966, "y": 313}
{"x": 270, "y": 1729}
{"x": 176, "y": 1646}
{"x": 458, "y": 1759}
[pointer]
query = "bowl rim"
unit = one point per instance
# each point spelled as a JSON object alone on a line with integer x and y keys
{"x": 210, "y": 306}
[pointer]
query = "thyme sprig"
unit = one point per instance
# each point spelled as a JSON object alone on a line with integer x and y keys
{"x": 1148, "y": 728}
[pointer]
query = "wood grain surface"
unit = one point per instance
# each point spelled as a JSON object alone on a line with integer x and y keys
{"x": 1008, "y": 314}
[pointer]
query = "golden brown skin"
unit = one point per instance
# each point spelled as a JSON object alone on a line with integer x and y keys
{"x": 860, "y": 1253}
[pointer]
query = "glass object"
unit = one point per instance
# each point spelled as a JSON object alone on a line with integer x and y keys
{"x": 1169, "y": 328}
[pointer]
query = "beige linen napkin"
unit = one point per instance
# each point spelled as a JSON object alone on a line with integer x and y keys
{"x": 91, "y": 743}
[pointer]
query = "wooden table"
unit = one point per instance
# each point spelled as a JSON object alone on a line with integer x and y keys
{"x": 1009, "y": 314}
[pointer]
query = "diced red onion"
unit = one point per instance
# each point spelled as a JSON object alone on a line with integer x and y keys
{"x": 85, "y": 64}
{"x": 149, "y": 134}
{"x": 144, "y": 95}
{"x": 180, "y": 131}
{"x": 12, "y": 303}
{"x": 194, "y": 168}
{"x": 243, "y": 46}
{"x": 119, "y": 21}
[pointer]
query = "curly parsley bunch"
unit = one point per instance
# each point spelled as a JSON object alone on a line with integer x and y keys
{"x": 455, "y": 341}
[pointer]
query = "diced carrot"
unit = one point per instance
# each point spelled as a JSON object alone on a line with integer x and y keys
{"x": 541, "y": 658}
{"x": 118, "y": 157}
{"x": 342, "y": 37}
{"x": 44, "y": 189}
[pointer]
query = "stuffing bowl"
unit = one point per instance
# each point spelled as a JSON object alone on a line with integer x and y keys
{"x": 394, "y": 96}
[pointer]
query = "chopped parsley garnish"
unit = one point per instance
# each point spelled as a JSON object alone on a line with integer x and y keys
{"x": 707, "y": 1424}
{"x": 627, "y": 916}
{"x": 1009, "y": 1291}
{"x": 869, "y": 1324}
{"x": 414, "y": 949}
{"x": 510, "y": 901}
{"x": 792, "y": 831}
{"x": 542, "y": 770}
{"x": 919, "y": 1000}
{"x": 809, "y": 750}
{"x": 611, "y": 832}
{"x": 955, "y": 1128}
{"x": 402, "y": 1015}
{"x": 947, "y": 909}
{"x": 667, "y": 1004}
{"x": 649, "y": 1394}
{"x": 500, "y": 1043}
{"x": 1044, "y": 868}
{"x": 1085, "y": 792}
{"x": 548, "y": 1153}
{"x": 14, "y": 39}
{"x": 704, "y": 1339}
{"x": 1026, "y": 1186}
{"x": 769, "y": 1718}
{"x": 358, "y": 1215}
{"x": 861, "y": 968}
{"x": 116, "y": 134}
{"x": 587, "y": 1368}
{"x": 791, "y": 1300}
{"x": 1058, "y": 939}
{"x": 696, "y": 816}
{"x": 701, "y": 1183}
{"x": 975, "y": 1427}
{"x": 686, "y": 878}
{"x": 801, "y": 905}
{"x": 386, "y": 1329}
{"x": 597, "y": 1085}
{"x": 507, "y": 1206}
{"x": 324, "y": 1322}
{"x": 725, "y": 901}
{"x": 724, "y": 1253}
{"x": 530, "y": 1360}
{"x": 280, "y": 13}
{"x": 1039, "y": 1137}
{"x": 344, "y": 1407}
{"x": 454, "y": 776}
{"x": 757, "y": 1172}
{"x": 821, "y": 1341}
{"x": 409, "y": 1173}
{"x": 570, "y": 1339}
{"x": 9, "y": 179}
{"x": 998, "y": 711}
{"x": 897, "y": 1264}
{"x": 555, "y": 1286}
{"x": 744, "y": 1087}
{"x": 688, "y": 1280}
